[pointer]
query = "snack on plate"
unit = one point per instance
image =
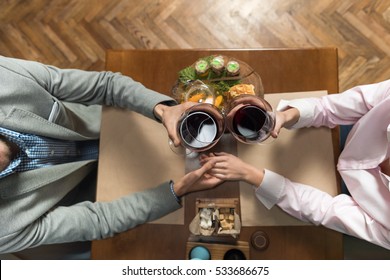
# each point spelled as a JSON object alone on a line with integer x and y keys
{"x": 233, "y": 68}
{"x": 239, "y": 89}
{"x": 218, "y": 102}
{"x": 218, "y": 64}
{"x": 215, "y": 79}
{"x": 202, "y": 67}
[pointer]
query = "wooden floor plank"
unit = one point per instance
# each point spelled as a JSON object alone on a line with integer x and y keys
{"x": 77, "y": 33}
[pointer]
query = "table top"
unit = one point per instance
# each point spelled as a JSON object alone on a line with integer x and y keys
{"x": 281, "y": 70}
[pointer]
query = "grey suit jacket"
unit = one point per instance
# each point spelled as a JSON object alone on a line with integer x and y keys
{"x": 66, "y": 104}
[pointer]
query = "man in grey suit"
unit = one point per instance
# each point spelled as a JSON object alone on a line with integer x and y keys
{"x": 49, "y": 127}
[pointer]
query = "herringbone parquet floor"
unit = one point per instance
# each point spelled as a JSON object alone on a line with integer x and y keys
{"x": 76, "y": 33}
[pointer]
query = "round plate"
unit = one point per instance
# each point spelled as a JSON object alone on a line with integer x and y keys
{"x": 200, "y": 82}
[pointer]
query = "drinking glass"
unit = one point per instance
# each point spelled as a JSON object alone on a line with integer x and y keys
{"x": 199, "y": 128}
{"x": 250, "y": 119}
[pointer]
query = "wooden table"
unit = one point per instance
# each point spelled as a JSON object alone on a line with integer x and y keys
{"x": 282, "y": 70}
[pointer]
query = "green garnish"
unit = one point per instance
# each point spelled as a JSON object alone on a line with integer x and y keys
{"x": 187, "y": 74}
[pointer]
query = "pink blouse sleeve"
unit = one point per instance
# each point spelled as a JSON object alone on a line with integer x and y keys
{"x": 338, "y": 109}
{"x": 340, "y": 213}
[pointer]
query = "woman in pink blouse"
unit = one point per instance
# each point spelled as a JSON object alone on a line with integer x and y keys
{"x": 363, "y": 165}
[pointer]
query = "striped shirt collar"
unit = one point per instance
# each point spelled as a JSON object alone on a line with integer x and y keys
{"x": 15, "y": 137}
{"x": 37, "y": 151}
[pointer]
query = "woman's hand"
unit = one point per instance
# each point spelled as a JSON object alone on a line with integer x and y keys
{"x": 231, "y": 168}
{"x": 197, "y": 180}
{"x": 285, "y": 119}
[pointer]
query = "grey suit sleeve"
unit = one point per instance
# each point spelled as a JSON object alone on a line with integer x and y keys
{"x": 89, "y": 87}
{"x": 92, "y": 221}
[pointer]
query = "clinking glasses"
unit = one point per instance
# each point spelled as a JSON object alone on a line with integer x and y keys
{"x": 249, "y": 118}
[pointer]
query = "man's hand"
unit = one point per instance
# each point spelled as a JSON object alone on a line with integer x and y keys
{"x": 169, "y": 116}
{"x": 196, "y": 180}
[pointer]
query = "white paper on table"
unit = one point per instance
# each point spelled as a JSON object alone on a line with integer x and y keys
{"x": 136, "y": 156}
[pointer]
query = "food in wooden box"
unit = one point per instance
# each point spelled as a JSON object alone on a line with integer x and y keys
{"x": 226, "y": 218}
{"x": 206, "y": 216}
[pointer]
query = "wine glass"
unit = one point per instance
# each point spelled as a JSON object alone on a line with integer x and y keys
{"x": 250, "y": 119}
{"x": 199, "y": 128}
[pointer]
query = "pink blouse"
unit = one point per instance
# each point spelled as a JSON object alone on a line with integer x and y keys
{"x": 366, "y": 213}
